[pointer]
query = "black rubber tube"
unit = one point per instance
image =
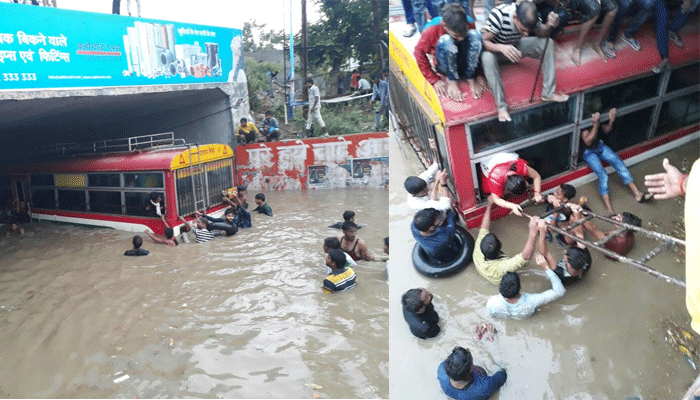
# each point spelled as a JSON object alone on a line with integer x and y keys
{"x": 438, "y": 269}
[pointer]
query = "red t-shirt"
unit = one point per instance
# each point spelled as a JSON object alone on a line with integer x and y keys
{"x": 355, "y": 80}
{"x": 621, "y": 244}
{"x": 498, "y": 174}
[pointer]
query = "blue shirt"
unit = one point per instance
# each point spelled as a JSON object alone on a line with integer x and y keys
{"x": 270, "y": 125}
{"x": 381, "y": 92}
{"x": 481, "y": 388}
{"x": 442, "y": 245}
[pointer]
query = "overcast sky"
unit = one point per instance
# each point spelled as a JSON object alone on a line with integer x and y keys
{"x": 226, "y": 13}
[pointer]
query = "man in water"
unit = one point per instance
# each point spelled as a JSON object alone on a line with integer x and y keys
{"x": 421, "y": 195}
{"x": 460, "y": 379}
{"x": 347, "y": 216}
{"x": 169, "y": 238}
{"x": 435, "y": 234}
{"x": 332, "y": 243}
{"x": 263, "y": 207}
{"x": 137, "y": 241}
{"x": 577, "y": 259}
{"x": 419, "y": 313}
{"x": 353, "y": 245}
{"x": 489, "y": 260}
{"x": 341, "y": 277}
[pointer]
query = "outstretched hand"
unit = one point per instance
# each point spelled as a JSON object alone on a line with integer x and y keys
{"x": 665, "y": 185}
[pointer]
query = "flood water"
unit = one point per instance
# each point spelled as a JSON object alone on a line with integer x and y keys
{"x": 238, "y": 317}
{"x": 603, "y": 340}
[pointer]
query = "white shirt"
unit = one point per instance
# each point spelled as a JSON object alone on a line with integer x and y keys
{"x": 418, "y": 203}
{"x": 496, "y": 159}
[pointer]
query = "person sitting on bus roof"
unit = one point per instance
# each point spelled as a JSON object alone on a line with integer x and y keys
{"x": 137, "y": 241}
{"x": 577, "y": 259}
{"x": 353, "y": 245}
{"x": 331, "y": 243}
{"x": 505, "y": 174}
{"x": 595, "y": 152}
{"x": 347, "y": 216}
{"x": 589, "y": 10}
{"x": 460, "y": 379}
{"x": 419, "y": 313}
{"x": 169, "y": 238}
{"x": 227, "y": 224}
{"x": 270, "y": 127}
{"x": 156, "y": 208}
{"x": 341, "y": 277}
{"x": 489, "y": 260}
{"x": 263, "y": 207}
{"x": 454, "y": 49}
{"x": 506, "y": 38}
{"x": 681, "y": 18}
{"x": 246, "y": 132}
{"x": 435, "y": 234}
{"x": 420, "y": 195}
{"x": 644, "y": 10}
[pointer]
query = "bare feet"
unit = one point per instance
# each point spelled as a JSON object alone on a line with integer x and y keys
{"x": 476, "y": 88}
{"x": 576, "y": 55}
{"x": 557, "y": 98}
{"x": 482, "y": 81}
{"x": 503, "y": 115}
{"x": 599, "y": 51}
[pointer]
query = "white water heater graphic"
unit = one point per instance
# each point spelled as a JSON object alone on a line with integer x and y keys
{"x": 151, "y": 52}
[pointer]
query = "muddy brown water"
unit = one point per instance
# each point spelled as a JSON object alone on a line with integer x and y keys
{"x": 240, "y": 317}
{"x": 603, "y": 340}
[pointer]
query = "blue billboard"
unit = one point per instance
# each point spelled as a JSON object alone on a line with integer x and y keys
{"x": 46, "y": 47}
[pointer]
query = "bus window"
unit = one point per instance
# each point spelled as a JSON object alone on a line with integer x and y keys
{"x": 41, "y": 179}
{"x": 530, "y": 122}
{"x": 620, "y": 95}
{"x": 629, "y": 129}
{"x": 144, "y": 180}
{"x": 105, "y": 202}
{"x": 104, "y": 180}
{"x": 678, "y": 113}
{"x": 219, "y": 178}
{"x": 44, "y": 198}
{"x": 135, "y": 203}
{"x": 684, "y": 77}
{"x": 71, "y": 200}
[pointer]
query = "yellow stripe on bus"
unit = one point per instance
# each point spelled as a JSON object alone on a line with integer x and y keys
{"x": 207, "y": 153}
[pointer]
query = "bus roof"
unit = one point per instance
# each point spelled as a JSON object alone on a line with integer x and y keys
{"x": 149, "y": 160}
{"x": 518, "y": 79}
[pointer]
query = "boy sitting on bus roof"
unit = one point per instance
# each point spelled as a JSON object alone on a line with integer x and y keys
{"x": 455, "y": 50}
{"x": 505, "y": 174}
{"x": 506, "y": 37}
{"x": 247, "y": 132}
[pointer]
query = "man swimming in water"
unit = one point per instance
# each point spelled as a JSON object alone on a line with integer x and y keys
{"x": 347, "y": 216}
{"x": 353, "y": 245}
{"x": 462, "y": 380}
{"x": 332, "y": 243}
{"x": 435, "y": 234}
{"x": 341, "y": 277}
{"x": 419, "y": 313}
{"x": 137, "y": 241}
{"x": 169, "y": 238}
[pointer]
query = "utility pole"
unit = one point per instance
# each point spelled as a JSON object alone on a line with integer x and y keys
{"x": 304, "y": 58}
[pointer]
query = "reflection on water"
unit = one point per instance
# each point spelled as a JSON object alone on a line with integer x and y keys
{"x": 236, "y": 317}
{"x": 603, "y": 340}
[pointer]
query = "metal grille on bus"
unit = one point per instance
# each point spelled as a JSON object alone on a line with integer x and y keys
{"x": 218, "y": 177}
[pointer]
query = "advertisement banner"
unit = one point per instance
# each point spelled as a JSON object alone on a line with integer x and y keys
{"x": 360, "y": 160}
{"x": 47, "y": 47}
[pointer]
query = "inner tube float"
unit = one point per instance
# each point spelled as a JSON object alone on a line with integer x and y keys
{"x": 223, "y": 226}
{"x": 438, "y": 269}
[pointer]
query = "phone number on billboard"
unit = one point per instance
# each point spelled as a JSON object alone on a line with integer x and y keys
{"x": 18, "y": 77}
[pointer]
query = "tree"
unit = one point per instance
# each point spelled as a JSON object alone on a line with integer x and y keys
{"x": 256, "y": 37}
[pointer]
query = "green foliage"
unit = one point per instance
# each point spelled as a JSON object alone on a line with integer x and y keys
{"x": 257, "y": 37}
{"x": 341, "y": 120}
{"x": 258, "y": 80}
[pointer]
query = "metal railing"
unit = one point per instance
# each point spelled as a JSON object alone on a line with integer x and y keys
{"x": 121, "y": 145}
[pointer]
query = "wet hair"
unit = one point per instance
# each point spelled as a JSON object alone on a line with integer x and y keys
{"x": 137, "y": 241}
{"x": 490, "y": 247}
{"x": 349, "y": 225}
{"x": 458, "y": 365}
{"x": 185, "y": 228}
{"x": 411, "y": 301}
{"x": 338, "y": 257}
{"x": 347, "y": 215}
{"x": 241, "y": 188}
{"x": 526, "y": 12}
{"x": 260, "y": 196}
{"x": 310, "y": 80}
{"x": 631, "y": 219}
{"x": 268, "y": 112}
{"x": 386, "y": 241}
{"x": 168, "y": 233}
{"x": 153, "y": 196}
{"x": 455, "y": 18}
{"x": 414, "y": 185}
{"x": 244, "y": 120}
{"x": 332, "y": 243}
{"x": 515, "y": 184}
{"x": 568, "y": 191}
{"x": 229, "y": 211}
{"x": 425, "y": 218}
{"x": 579, "y": 259}
{"x": 510, "y": 285}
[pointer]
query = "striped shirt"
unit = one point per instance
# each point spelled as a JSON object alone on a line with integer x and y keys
{"x": 342, "y": 279}
{"x": 203, "y": 235}
{"x": 500, "y": 23}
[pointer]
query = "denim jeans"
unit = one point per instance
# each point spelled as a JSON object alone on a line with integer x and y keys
{"x": 605, "y": 153}
{"x": 419, "y": 7}
{"x": 408, "y": 11}
{"x": 646, "y": 8}
{"x": 456, "y": 59}
{"x": 681, "y": 18}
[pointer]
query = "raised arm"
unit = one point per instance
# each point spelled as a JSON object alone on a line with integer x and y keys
{"x": 544, "y": 30}
{"x": 544, "y": 259}
{"x": 552, "y": 294}
{"x": 589, "y": 135}
{"x": 155, "y": 238}
{"x": 537, "y": 183}
{"x": 532, "y": 235}
{"x": 486, "y": 221}
{"x": 607, "y": 128}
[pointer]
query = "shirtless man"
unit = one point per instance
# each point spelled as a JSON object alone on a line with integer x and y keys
{"x": 169, "y": 238}
{"x": 353, "y": 245}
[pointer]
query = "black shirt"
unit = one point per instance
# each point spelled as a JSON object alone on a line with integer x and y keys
{"x": 423, "y": 325}
{"x": 137, "y": 252}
